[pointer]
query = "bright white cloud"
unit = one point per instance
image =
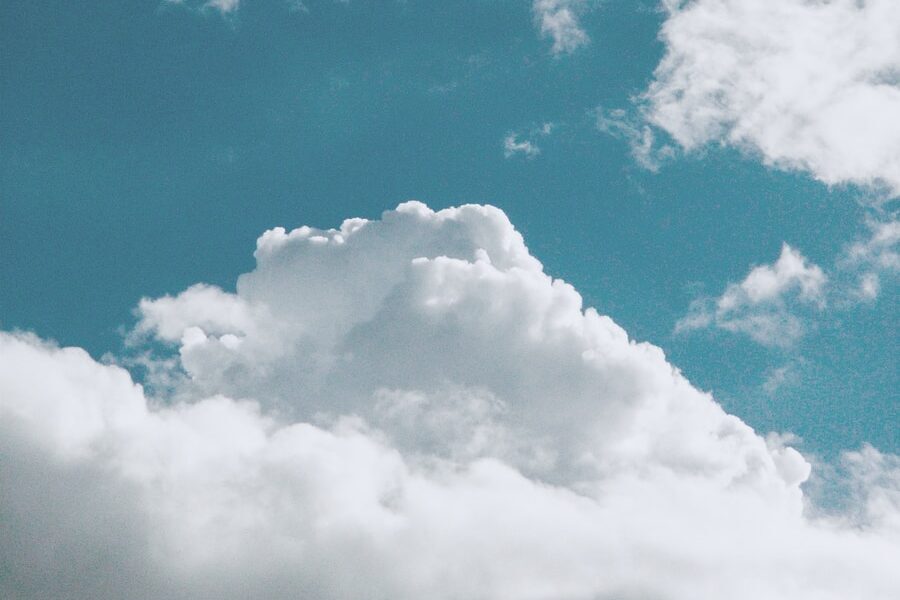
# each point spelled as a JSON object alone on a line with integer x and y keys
{"x": 411, "y": 408}
{"x": 758, "y": 306}
{"x": 811, "y": 85}
{"x": 558, "y": 20}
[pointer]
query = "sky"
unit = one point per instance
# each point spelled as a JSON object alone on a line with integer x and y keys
{"x": 625, "y": 272}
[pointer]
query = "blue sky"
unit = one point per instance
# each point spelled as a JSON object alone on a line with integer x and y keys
{"x": 146, "y": 146}
{"x": 273, "y": 325}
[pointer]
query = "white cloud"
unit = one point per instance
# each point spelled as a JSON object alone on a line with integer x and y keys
{"x": 767, "y": 304}
{"x": 558, "y": 20}
{"x": 224, "y": 7}
{"x": 874, "y": 257}
{"x": 514, "y": 144}
{"x": 411, "y": 408}
{"x": 811, "y": 85}
{"x": 758, "y": 305}
{"x": 874, "y": 485}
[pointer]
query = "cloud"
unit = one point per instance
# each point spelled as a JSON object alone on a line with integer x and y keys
{"x": 758, "y": 305}
{"x": 770, "y": 304}
{"x": 645, "y": 149}
{"x": 410, "y": 408}
{"x": 558, "y": 20}
{"x": 513, "y": 144}
{"x": 874, "y": 256}
{"x": 809, "y": 85}
{"x": 224, "y": 7}
{"x": 779, "y": 377}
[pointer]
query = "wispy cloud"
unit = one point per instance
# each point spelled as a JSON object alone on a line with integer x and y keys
{"x": 874, "y": 256}
{"x": 519, "y": 144}
{"x": 625, "y": 125}
{"x": 779, "y": 377}
{"x": 223, "y": 7}
{"x": 559, "y": 21}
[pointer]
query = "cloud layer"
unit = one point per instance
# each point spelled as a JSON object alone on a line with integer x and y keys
{"x": 409, "y": 408}
{"x": 811, "y": 85}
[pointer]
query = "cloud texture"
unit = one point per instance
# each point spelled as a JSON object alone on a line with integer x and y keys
{"x": 761, "y": 305}
{"x": 558, "y": 20}
{"x": 224, "y": 7}
{"x": 408, "y": 408}
{"x": 811, "y": 85}
{"x": 874, "y": 256}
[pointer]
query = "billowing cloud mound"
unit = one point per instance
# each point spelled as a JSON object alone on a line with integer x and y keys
{"x": 807, "y": 84}
{"x": 408, "y": 408}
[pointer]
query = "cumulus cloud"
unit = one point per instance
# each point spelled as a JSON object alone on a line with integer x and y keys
{"x": 558, "y": 20}
{"x": 759, "y": 306}
{"x": 412, "y": 408}
{"x": 811, "y": 85}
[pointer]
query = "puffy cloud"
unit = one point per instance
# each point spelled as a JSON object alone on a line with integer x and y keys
{"x": 807, "y": 85}
{"x": 757, "y": 305}
{"x": 410, "y": 408}
{"x": 558, "y": 20}
{"x": 811, "y": 85}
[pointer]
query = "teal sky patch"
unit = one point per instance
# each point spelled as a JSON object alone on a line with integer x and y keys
{"x": 145, "y": 147}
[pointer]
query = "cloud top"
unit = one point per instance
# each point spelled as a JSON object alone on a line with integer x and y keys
{"x": 409, "y": 408}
